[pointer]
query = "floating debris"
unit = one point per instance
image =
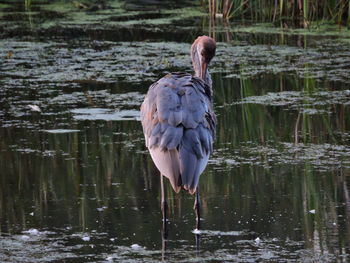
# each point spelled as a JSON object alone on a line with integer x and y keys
{"x": 25, "y": 237}
{"x": 86, "y": 238}
{"x": 32, "y": 231}
{"x": 34, "y": 108}
{"x": 218, "y": 233}
{"x": 101, "y": 209}
{"x": 136, "y": 246}
{"x": 57, "y": 131}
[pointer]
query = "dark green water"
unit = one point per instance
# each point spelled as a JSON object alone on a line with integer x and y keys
{"x": 77, "y": 183}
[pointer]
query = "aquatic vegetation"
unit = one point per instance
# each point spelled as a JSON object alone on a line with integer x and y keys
{"x": 138, "y": 61}
{"x": 105, "y": 114}
{"x": 320, "y": 157}
{"x": 319, "y": 102}
{"x": 285, "y": 13}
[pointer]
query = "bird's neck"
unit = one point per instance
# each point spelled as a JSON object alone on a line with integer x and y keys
{"x": 208, "y": 82}
{"x": 207, "y": 77}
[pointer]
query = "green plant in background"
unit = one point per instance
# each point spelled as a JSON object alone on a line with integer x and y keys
{"x": 298, "y": 13}
{"x": 27, "y": 4}
{"x": 27, "y": 7}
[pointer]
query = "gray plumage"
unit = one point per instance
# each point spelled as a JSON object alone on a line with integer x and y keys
{"x": 179, "y": 125}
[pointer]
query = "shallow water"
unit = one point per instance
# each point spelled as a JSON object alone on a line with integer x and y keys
{"x": 77, "y": 183}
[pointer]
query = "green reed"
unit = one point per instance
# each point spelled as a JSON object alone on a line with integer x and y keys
{"x": 298, "y": 13}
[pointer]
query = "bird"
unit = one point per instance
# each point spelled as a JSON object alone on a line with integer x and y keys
{"x": 179, "y": 124}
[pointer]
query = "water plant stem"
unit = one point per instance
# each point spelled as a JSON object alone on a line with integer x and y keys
{"x": 299, "y": 13}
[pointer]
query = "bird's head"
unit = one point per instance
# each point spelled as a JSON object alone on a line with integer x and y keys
{"x": 202, "y": 52}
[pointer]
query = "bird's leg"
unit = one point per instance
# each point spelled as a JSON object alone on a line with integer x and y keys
{"x": 197, "y": 208}
{"x": 164, "y": 207}
{"x": 164, "y": 247}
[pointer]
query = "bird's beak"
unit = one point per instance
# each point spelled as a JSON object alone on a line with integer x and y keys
{"x": 203, "y": 69}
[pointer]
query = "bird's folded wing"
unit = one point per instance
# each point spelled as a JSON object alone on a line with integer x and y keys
{"x": 177, "y": 115}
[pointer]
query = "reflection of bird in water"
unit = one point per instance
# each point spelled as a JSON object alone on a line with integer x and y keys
{"x": 179, "y": 123}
